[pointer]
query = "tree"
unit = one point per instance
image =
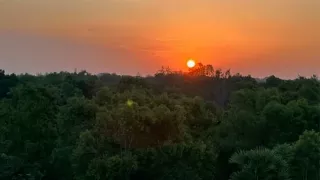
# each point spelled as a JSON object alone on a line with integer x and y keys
{"x": 261, "y": 164}
{"x": 118, "y": 167}
{"x": 29, "y": 127}
{"x": 177, "y": 162}
{"x": 306, "y": 164}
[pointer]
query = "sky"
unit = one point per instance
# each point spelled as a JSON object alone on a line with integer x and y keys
{"x": 279, "y": 37}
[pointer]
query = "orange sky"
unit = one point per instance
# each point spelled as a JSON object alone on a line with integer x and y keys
{"x": 262, "y": 37}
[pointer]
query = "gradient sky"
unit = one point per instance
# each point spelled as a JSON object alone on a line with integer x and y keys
{"x": 257, "y": 37}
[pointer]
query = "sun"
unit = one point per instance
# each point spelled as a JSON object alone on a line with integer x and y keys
{"x": 191, "y": 63}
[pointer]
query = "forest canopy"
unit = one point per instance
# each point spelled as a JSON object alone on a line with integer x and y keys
{"x": 201, "y": 125}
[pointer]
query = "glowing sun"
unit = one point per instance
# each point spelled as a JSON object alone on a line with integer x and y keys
{"x": 191, "y": 63}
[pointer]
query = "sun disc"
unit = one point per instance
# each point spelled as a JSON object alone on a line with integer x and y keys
{"x": 191, "y": 63}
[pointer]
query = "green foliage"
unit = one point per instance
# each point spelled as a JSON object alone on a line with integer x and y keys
{"x": 306, "y": 163}
{"x": 118, "y": 167}
{"x": 261, "y": 164}
{"x": 178, "y": 162}
{"x": 202, "y": 125}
